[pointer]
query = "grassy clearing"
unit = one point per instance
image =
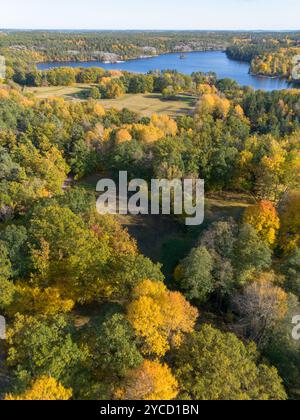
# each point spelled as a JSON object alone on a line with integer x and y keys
{"x": 163, "y": 238}
{"x": 148, "y": 104}
{"x": 75, "y": 92}
{"x": 144, "y": 104}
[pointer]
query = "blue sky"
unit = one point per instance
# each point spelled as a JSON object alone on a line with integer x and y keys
{"x": 150, "y": 14}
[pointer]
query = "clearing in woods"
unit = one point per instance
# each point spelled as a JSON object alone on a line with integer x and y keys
{"x": 163, "y": 238}
{"x": 144, "y": 104}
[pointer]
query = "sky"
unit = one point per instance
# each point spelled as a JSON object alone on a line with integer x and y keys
{"x": 150, "y": 14}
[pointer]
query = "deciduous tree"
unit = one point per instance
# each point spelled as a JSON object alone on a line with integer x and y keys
{"x": 265, "y": 220}
{"x": 152, "y": 381}
{"x": 211, "y": 365}
{"x": 160, "y": 317}
{"x": 45, "y": 389}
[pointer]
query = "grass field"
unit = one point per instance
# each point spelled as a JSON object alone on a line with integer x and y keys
{"x": 148, "y": 104}
{"x": 66, "y": 92}
{"x": 145, "y": 104}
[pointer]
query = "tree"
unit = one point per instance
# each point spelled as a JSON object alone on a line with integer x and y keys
{"x": 39, "y": 346}
{"x": 291, "y": 270}
{"x": 123, "y": 135}
{"x": 290, "y": 223}
{"x": 213, "y": 104}
{"x": 45, "y": 388}
{"x": 7, "y": 289}
{"x": 15, "y": 239}
{"x": 120, "y": 242}
{"x": 5, "y": 264}
{"x": 261, "y": 306}
{"x": 195, "y": 274}
{"x": 251, "y": 254}
{"x": 159, "y": 317}
{"x": 211, "y": 365}
{"x": 67, "y": 255}
{"x": 237, "y": 253}
{"x": 36, "y": 301}
{"x": 94, "y": 93}
{"x": 147, "y": 133}
{"x": 111, "y": 88}
{"x": 112, "y": 346}
{"x": 78, "y": 200}
{"x": 152, "y": 381}
{"x": 283, "y": 351}
{"x": 166, "y": 124}
{"x": 265, "y": 220}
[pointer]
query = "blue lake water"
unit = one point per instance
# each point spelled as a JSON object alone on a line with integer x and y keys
{"x": 215, "y": 61}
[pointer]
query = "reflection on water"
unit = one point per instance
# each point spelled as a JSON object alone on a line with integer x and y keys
{"x": 215, "y": 61}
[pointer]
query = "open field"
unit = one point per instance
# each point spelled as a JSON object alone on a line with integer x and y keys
{"x": 148, "y": 104}
{"x": 145, "y": 104}
{"x": 66, "y": 92}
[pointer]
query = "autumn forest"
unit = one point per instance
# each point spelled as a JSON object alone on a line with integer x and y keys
{"x": 111, "y": 307}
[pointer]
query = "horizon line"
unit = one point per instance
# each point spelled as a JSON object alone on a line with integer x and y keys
{"x": 148, "y": 30}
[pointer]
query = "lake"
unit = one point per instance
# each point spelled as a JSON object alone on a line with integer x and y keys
{"x": 215, "y": 61}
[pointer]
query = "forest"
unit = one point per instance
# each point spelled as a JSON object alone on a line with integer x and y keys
{"x": 91, "y": 317}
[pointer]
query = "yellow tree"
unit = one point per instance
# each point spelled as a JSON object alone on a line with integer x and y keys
{"x": 265, "y": 220}
{"x": 123, "y": 135}
{"x": 152, "y": 381}
{"x": 46, "y": 389}
{"x": 99, "y": 110}
{"x": 160, "y": 317}
{"x": 213, "y": 104}
{"x": 148, "y": 133}
{"x": 290, "y": 223}
{"x": 166, "y": 124}
{"x": 34, "y": 300}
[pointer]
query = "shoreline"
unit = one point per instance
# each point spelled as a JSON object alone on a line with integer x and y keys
{"x": 129, "y": 59}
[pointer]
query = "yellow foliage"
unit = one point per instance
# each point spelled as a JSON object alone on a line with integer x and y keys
{"x": 205, "y": 88}
{"x": 148, "y": 133}
{"x": 239, "y": 111}
{"x": 115, "y": 73}
{"x": 4, "y": 94}
{"x": 123, "y": 136}
{"x": 160, "y": 317}
{"x": 246, "y": 158}
{"x": 213, "y": 104}
{"x": 120, "y": 242}
{"x": 107, "y": 134}
{"x": 265, "y": 220}
{"x": 105, "y": 81}
{"x": 99, "y": 110}
{"x": 37, "y": 301}
{"x": 152, "y": 381}
{"x": 276, "y": 158}
{"x": 166, "y": 124}
{"x": 45, "y": 389}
